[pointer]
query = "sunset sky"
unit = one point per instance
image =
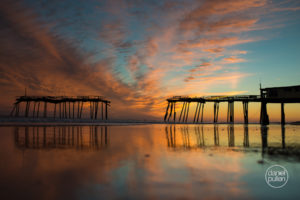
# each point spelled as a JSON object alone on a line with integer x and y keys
{"x": 138, "y": 53}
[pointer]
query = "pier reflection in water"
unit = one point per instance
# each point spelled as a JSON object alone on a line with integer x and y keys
{"x": 146, "y": 161}
{"x": 199, "y": 136}
{"x": 43, "y": 137}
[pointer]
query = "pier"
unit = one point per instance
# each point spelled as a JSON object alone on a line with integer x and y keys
{"x": 281, "y": 95}
{"x": 64, "y": 107}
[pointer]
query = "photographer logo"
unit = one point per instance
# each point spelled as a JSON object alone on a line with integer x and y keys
{"x": 276, "y": 176}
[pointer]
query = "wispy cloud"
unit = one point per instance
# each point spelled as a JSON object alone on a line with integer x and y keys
{"x": 233, "y": 59}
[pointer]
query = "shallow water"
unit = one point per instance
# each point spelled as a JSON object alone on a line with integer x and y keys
{"x": 147, "y": 161}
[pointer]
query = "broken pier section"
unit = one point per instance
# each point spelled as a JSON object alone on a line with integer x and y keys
{"x": 65, "y": 107}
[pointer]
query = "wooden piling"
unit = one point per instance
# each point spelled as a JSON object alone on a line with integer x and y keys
{"x": 96, "y": 110}
{"x": 202, "y": 112}
{"x": 187, "y": 114}
{"x": 106, "y": 113}
{"x": 183, "y": 105}
{"x": 27, "y": 108}
{"x": 81, "y": 110}
{"x": 38, "y": 110}
{"x": 171, "y": 110}
{"x": 196, "y": 111}
{"x": 216, "y": 111}
{"x": 78, "y": 109}
{"x": 102, "y": 111}
{"x": 91, "y": 112}
{"x": 264, "y": 118}
{"x": 282, "y": 114}
{"x": 45, "y": 109}
{"x": 230, "y": 112}
{"x": 174, "y": 112}
{"x": 245, "y": 111}
{"x": 60, "y": 110}
{"x": 73, "y": 113}
{"x": 54, "y": 111}
{"x": 69, "y": 110}
{"x": 166, "y": 114}
{"x": 65, "y": 106}
{"x": 33, "y": 112}
{"x": 199, "y": 111}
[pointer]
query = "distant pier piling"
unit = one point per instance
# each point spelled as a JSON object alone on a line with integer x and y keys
{"x": 63, "y": 106}
{"x": 281, "y": 95}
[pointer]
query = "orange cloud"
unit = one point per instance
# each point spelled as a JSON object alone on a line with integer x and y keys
{"x": 233, "y": 59}
{"x": 214, "y": 50}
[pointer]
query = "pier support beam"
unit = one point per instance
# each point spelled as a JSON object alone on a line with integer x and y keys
{"x": 54, "y": 111}
{"x": 60, "y": 110}
{"x": 166, "y": 114}
{"x": 45, "y": 109}
{"x": 200, "y": 112}
{"x": 187, "y": 112}
{"x": 78, "y": 109}
{"x": 216, "y": 111}
{"x": 264, "y": 118}
{"x": 81, "y": 107}
{"x": 106, "y": 114}
{"x": 182, "y": 110}
{"x": 73, "y": 110}
{"x": 96, "y": 110}
{"x": 69, "y": 110}
{"x": 245, "y": 110}
{"x": 102, "y": 111}
{"x": 66, "y": 113}
{"x": 27, "y": 108}
{"x": 230, "y": 112}
{"x": 196, "y": 112}
{"x": 171, "y": 111}
{"x": 174, "y": 113}
{"x": 38, "y": 110}
{"x": 91, "y": 110}
{"x": 282, "y": 114}
{"x": 33, "y": 112}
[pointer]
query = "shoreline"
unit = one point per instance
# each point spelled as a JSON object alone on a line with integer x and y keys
{"x": 86, "y": 122}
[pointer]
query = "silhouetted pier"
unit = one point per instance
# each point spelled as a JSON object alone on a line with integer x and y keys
{"x": 64, "y": 107}
{"x": 280, "y": 95}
